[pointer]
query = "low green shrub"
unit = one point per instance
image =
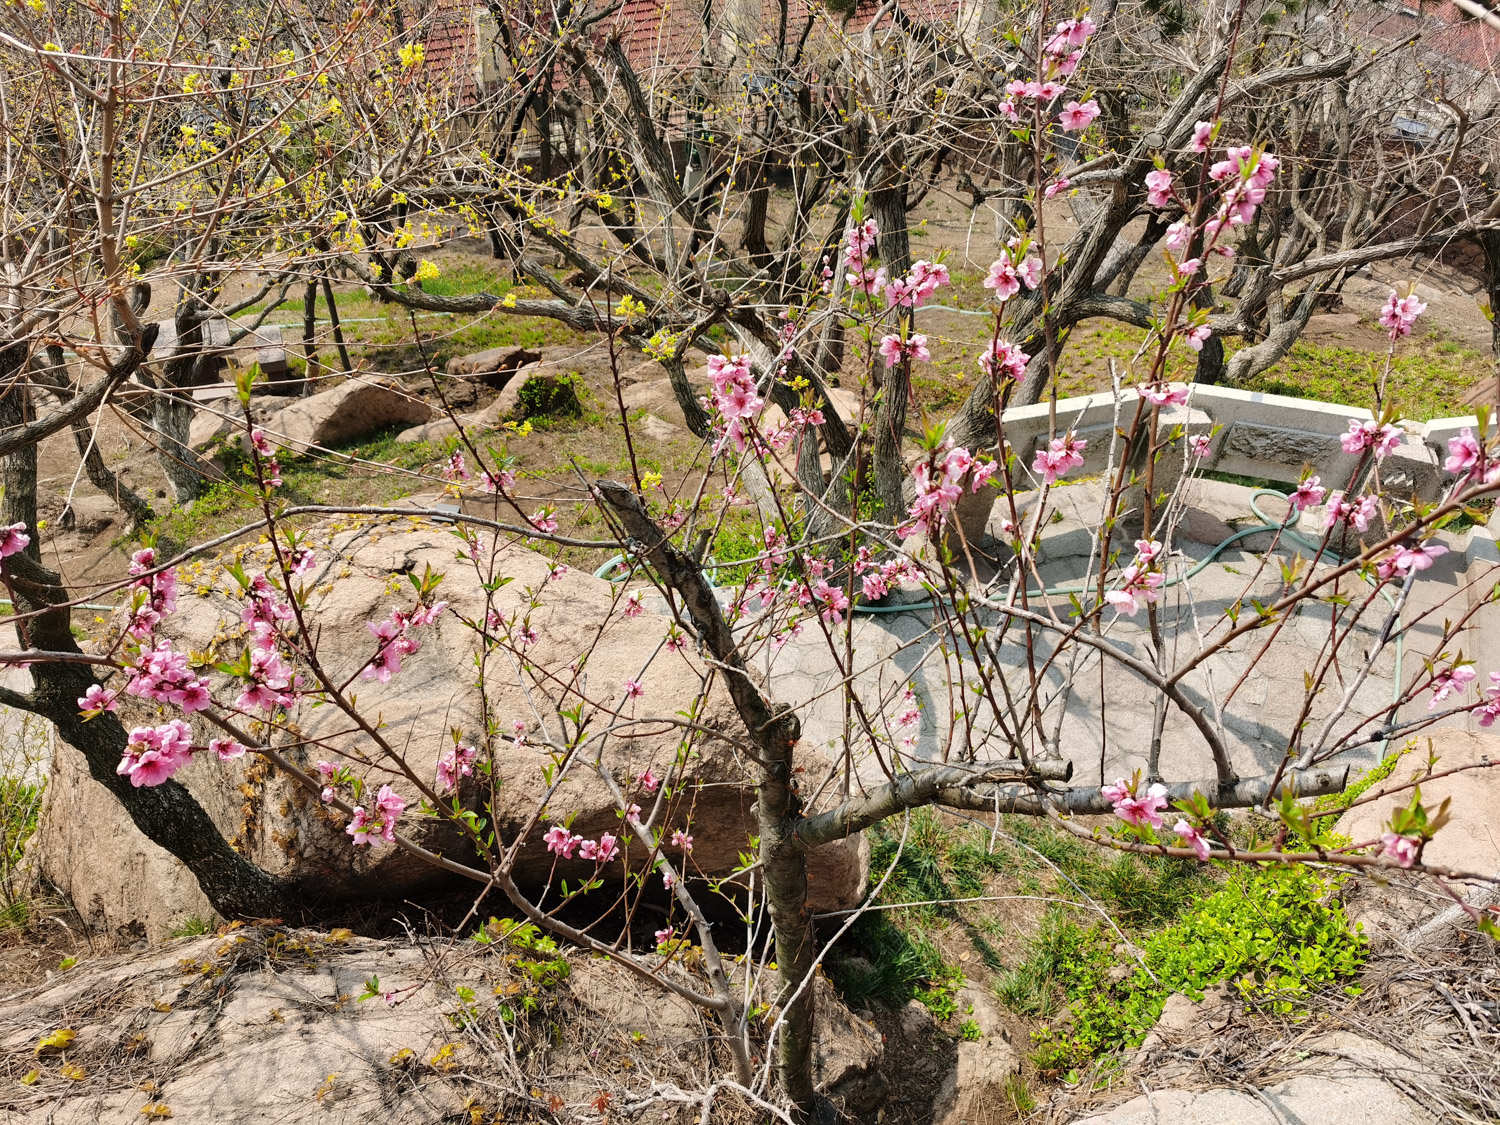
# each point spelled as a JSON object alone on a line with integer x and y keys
{"x": 1277, "y": 936}
{"x": 549, "y": 396}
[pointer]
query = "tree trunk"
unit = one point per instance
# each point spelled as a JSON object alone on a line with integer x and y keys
{"x": 1489, "y": 242}
{"x": 172, "y": 410}
{"x": 889, "y": 206}
{"x": 338, "y": 327}
{"x": 310, "y": 335}
{"x": 19, "y": 468}
{"x": 775, "y": 732}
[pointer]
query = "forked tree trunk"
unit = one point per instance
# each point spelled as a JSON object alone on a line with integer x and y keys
{"x": 775, "y": 732}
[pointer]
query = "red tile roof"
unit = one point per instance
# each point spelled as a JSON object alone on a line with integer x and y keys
{"x": 663, "y": 39}
{"x": 1447, "y": 31}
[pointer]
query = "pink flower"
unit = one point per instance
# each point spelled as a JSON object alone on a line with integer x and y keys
{"x": 1308, "y": 494}
{"x": 1159, "y": 187}
{"x": 302, "y": 560}
{"x": 1189, "y": 266}
{"x": 665, "y": 935}
{"x": 1465, "y": 455}
{"x": 832, "y": 601}
{"x": 633, "y": 814}
{"x": 606, "y": 849}
{"x": 633, "y": 689}
{"x": 1197, "y": 336}
{"x": 1370, "y": 435}
{"x": 1193, "y": 838}
{"x": 390, "y": 806}
{"x": 1138, "y": 811}
{"x": 1418, "y": 557}
{"x": 97, "y": 699}
{"x": 1357, "y": 514}
{"x": 681, "y": 839}
{"x": 1450, "y": 681}
{"x": 162, "y": 674}
{"x": 326, "y": 795}
{"x": 1005, "y": 360}
{"x": 153, "y": 754}
{"x": 13, "y": 539}
{"x": 1178, "y": 234}
{"x": 225, "y": 749}
{"x": 544, "y": 520}
{"x": 1164, "y": 394}
{"x": 502, "y": 481}
{"x": 561, "y": 842}
{"x": 668, "y": 879}
{"x": 1061, "y": 457}
{"x": 1403, "y": 849}
{"x": 1078, "y": 115}
{"x": 456, "y": 469}
{"x": 893, "y": 348}
{"x": 1201, "y": 133}
{"x": 1057, "y": 185}
{"x": 1139, "y": 586}
{"x": 1398, "y": 314}
{"x": 648, "y": 781}
{"x": 361, "y": 828}
{"x": 1200, "y": 445}
{"x": 454, "y": 764}
{"x": 394, "y": 644}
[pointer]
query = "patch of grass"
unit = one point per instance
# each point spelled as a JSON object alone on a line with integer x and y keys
{"x": 20, "y": 803}
{"x": 901, "y": 949}
{"x": 1427, "y": 380}
{"x": 1138, "y": 891}
{"x": 346, "y": 476}
{"x": 1333, "y": 805}
{"x": 192, "y": 927}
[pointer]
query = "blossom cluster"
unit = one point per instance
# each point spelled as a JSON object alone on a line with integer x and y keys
{"x": 1061, "y": 55}
{"x": 454, "y": 764}
{"x": 563, "y": 844}
{"x": 1017, "y": 266}
{"x": 395, "y": 639}
{"x": 1246, "y": 175}
{"x": 1144, "y": 809}
{"x": 1140, "y": 582}
{"x": 734, "y": 394}
{"x": 379, "y": 825}
{"x": 1061, "y": 457}
{"x": 1398, "y": 314}
{"x": 939, "y": 484}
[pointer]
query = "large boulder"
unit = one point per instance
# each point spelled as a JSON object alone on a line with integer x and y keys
{"x": 358, "y": 406}
{"x": 584, "y": 650}
{"x": 1470, "y": 841}
{"x": 264, "y": 1025}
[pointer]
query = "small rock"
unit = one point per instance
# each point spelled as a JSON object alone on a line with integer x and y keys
{"x": 493, "y": 367}
{"x": 916, "y": 1020}
{"x": 351, "y": 410}
{"x": 657, "y": 429}
{"x": 977, "y": 1083}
